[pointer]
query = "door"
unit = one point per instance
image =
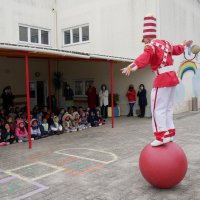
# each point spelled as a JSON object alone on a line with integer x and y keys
{"x": 38, "y": 93}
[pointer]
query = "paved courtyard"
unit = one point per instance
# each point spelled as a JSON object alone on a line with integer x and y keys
{"x": 97, "y": 164}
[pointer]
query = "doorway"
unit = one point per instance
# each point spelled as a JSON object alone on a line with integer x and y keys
{"x": 38, "y": 93}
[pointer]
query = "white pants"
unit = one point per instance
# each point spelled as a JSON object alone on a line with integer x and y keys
{"x": 162, "y": 101}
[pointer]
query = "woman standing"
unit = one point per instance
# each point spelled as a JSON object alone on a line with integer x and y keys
{"x": 131, "y": 95}
{"x": 91, "y": 94}
{"x": 103, "y": 100}
{"x": 7, "y": 97}
{"x": 142, "y": 100}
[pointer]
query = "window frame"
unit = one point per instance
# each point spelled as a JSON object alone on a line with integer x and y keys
{"x": 84, "y": 86}
{"x": 39, "y": 35}
{"x": 71, "y": 35}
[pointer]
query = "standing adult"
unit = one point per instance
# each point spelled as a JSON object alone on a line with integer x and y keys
{"x": 103, "y": 100}
{"x": 131, "y": 95}
{"x": 91, "y": 94}
{"x": 158, "y": 54}
{"x": 69, "y": 96}
{"x": 8, "y": 98}
{"x": 142, "y": 100}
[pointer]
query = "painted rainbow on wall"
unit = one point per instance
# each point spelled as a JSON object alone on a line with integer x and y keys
{"x": 186, "y": 66}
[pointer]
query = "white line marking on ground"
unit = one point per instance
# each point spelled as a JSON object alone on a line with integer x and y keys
{"x": 86, "y": 158}
{"x": 11, "y": 172}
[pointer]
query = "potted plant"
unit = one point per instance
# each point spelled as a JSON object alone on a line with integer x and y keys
{"x": 116, "y": 106}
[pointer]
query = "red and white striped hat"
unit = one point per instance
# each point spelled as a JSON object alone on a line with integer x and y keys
{"x": 149, "y": 30}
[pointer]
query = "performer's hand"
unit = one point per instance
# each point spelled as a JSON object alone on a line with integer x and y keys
{"x": 129, "y": 69}
{"x": 187, "y": 43}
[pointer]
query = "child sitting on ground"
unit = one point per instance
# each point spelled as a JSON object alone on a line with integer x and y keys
{"x": 84, "y": 121}
{"x": 35, "y": 129}
{"x": 92, "y": 119}
{"x": 77, "y": 121}
{"x": 2, "y": 138}
{"x": 21, "y": 132}
{"x": 56, "y": 127}
{"x": 67, "y": 120}
{"x": 11, "y": 123}
{"x": 99, "y": 118}
{"x": 9, "y": 134}
{"x": 45, "y": 128}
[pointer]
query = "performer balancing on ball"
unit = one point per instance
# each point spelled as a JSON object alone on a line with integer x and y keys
{"x": 158, "y": 54}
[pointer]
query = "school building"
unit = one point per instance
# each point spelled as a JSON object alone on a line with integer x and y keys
{"x": 84, "y": 39}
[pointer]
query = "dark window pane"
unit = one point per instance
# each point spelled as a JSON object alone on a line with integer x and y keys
{"x": 44, "y": 37}
{"x": 34, "y": 35}
{"x": 67, "y": 39}
{"x": 23, "y": 34}
{"x": 78, "y": 87}
{"x": 75, "y": 35}
{"x": 85, "y": 33}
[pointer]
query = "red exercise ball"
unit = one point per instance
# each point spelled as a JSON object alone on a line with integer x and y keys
{"x": 163, "y": 166}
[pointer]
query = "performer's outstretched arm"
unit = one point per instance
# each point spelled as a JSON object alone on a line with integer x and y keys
{"x": 140, "y": 62}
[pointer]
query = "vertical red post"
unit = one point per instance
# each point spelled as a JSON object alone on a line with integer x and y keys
{"x": 112, "y": 91}
{"x": 28, "y": 101}
{"x": 49, "y": 84}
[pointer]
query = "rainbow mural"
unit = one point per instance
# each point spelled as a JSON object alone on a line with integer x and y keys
{"x": 187, "y": 66}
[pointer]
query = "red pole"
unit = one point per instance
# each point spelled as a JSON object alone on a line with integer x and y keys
{"x": 28, "y": 101}
{"x": 49, "y": 84}
{"x": 112, "y": 91}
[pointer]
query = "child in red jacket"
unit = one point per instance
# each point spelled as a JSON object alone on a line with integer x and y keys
{"x": 131, "y": 95}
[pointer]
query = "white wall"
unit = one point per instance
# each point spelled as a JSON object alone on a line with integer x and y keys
{"x": 115, "y": 25}
{"x": 35, "y": 13}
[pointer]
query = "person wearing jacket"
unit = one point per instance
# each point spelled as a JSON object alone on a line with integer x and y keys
{"x": 56, "y": 127}
{"x": 35, "y": 129}
{"x": 131, "y": 95}
{"x": 142, "y": 100}
{"x": 21, "y": 132}
{"x": 103, "y": 100}
{"x": 158, "y": 54}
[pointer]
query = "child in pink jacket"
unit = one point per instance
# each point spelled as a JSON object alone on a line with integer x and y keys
{"x": 21, "y": 131}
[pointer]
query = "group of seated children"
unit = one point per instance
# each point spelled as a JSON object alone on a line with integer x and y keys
{"x": 13, "y": 127}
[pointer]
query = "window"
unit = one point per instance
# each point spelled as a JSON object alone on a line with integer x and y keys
{"x": 23, "y": 33}
{"x": 67, "y": 37}
{"x": 44, "y": 37}
{"x": 81, "y": 86}
{"x": 85, "y": 33}
{"x": 76, "y": 35}
{"x": 33, "y": 35}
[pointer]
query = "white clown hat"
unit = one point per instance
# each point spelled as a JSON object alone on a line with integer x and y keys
{"x": 149, "y": 29}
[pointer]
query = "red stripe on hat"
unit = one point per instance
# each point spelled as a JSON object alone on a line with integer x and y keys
{"x": 149, "y": 18}
{"x": 149, "y": 24}
{"x": 149, "y": 36}
{"x": 149, "y": 30}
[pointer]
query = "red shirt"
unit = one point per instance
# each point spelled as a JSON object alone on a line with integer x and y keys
{"x": 131, "y": 95}
{"x": 153, "y": 56}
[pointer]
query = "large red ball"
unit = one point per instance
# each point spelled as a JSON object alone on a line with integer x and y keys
{"x": 163, "y": 166}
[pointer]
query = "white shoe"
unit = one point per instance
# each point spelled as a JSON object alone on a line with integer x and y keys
{"x": 156, "y": 143}
{"x": 20, "y": 141}
{"x": 166, "y": 140}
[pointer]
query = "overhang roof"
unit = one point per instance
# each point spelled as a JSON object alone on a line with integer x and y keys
{"x": 16, "y": 50}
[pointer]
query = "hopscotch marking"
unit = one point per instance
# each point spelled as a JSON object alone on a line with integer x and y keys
{"x": 12, "y": 173}
{"x": 40, "y": 189}
{"x": 86, "y": 158}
